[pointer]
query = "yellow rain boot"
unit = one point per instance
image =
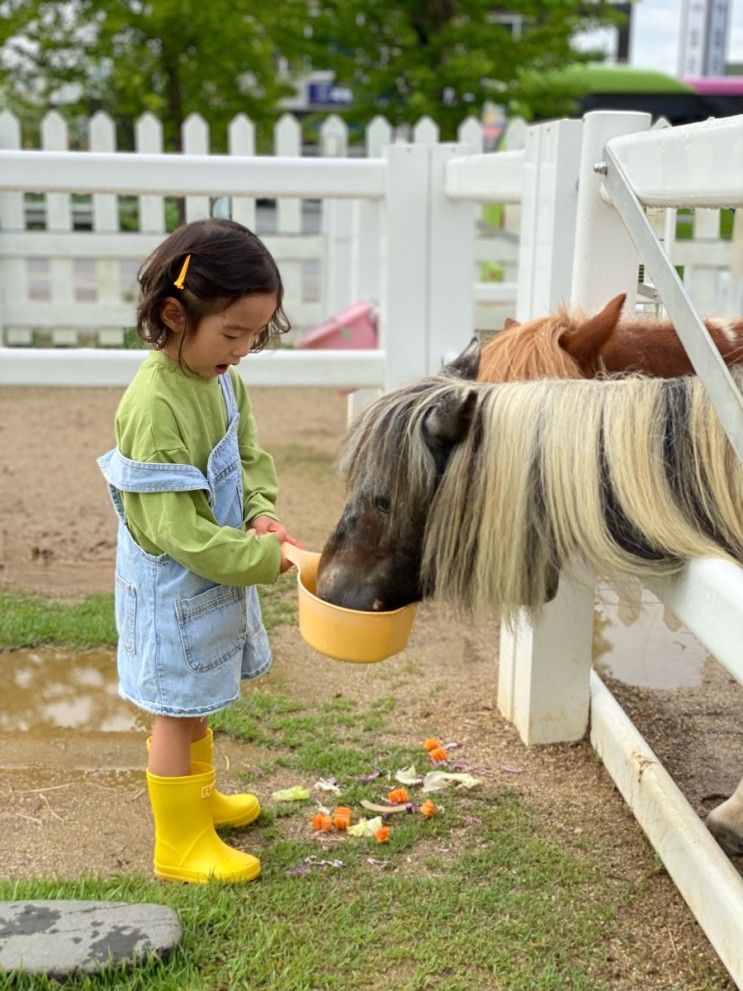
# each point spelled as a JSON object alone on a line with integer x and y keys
{"x": 186, "y": 846}
{"x": 227, "y": 810}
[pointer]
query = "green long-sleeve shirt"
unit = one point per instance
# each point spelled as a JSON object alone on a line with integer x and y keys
{"x": 169, "y": 415}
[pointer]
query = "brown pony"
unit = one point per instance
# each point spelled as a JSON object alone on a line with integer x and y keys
{"x": 570, "y": 345}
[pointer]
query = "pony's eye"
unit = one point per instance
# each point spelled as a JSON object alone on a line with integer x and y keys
{"x": 381, "y": 505}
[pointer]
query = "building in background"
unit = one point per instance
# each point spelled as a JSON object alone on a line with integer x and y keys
{"x": 704, "y": 38}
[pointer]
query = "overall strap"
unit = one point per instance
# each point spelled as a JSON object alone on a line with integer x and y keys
{"x": 125, "y": 475}
{"x": 228, "y": 392}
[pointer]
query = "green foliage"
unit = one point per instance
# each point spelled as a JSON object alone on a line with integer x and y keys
{"x": 413, "y": 58}
{"x": 172, "y": 58}
{"x": 176, "y": 57}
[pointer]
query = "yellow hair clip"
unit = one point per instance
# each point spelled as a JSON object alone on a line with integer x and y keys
{"x": 182, "y": 274}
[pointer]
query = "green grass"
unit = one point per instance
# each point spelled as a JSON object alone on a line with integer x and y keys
{"x": 485, "y": 896}
{"x": 479, "y": 897}
{"x": 509, "y": 912}
{"x": 32, "y": 621}
{"x": 685, "y": 224}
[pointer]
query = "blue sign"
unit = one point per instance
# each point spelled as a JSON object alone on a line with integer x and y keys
{"x": 328, "y": 94}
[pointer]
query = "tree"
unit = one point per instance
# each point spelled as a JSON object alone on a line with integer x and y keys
{"x": 172, "y": 57}
{"x": 446, "y": 58}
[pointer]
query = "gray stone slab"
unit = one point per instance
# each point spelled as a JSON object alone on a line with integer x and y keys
{"x": 63, "y": 937}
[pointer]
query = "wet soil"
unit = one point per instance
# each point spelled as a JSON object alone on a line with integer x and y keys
{"x": 72, "y": 794}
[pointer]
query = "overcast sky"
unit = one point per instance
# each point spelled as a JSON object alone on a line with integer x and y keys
{"x": 655, "y": 34}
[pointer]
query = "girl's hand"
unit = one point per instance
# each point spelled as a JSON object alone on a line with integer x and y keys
{"x": 264, "y": 524}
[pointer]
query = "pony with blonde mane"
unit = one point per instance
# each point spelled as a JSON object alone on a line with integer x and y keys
{"x": 573, "y": 345}
{"x": 481, "y": 494}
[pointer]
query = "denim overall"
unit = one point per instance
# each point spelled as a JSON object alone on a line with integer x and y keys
{"x": 184, "y": 642}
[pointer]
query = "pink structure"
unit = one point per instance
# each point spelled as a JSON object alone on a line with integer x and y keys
{"x": 354, "y": 327}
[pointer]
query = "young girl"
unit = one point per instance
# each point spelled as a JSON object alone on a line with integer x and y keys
{"x": 195, "y": 496}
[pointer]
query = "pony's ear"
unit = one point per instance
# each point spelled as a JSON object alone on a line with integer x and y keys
{"x": 467, "y": 364}
{"x": 585, "y": 341}
{"x": 446, "y": 423}
{"x": 510, "y": 322}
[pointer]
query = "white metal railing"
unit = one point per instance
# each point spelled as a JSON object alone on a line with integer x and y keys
{"x": 688, "y": 168}
{"x": 684, "y": 165}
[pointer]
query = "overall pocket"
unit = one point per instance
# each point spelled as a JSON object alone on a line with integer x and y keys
{"x": 213, "y": 626}
{"x": 126, "y": 614}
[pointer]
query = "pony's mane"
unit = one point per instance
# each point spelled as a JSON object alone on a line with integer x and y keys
{"x": 530, "y": 351}
{"x": 628, "y": 476}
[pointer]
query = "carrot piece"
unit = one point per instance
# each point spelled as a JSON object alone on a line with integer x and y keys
{"x": 382, "y": 835}
{"x": 431, "y": 743}
{"x": 322, "y": 823}
{"x": 428, "y": 809}
{"x": 342, "y": 817}
{"x": 398, "y": 795}
{"x": 438, "y": 754}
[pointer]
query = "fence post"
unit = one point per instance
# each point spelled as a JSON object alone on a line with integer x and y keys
{"x": 367, "y": 223}
{"x": 12, "y": 218}
{"x": 337, "y": 224}
{"x": 148, "y": 140}
{"x": 543, "y": 668}
{"x": 365, "y": 246}
{"x": 426, "y": 132}
{"x": 451, "y": 276}
{"x": 59, "y": 218}
{"x": 544, "y": 672}
{"x": 241, "y": 141}
{"x": 548, "y": 216}
{"x": 287, "y": 138}
{"x": 405, "y": 269}
{"x": 106, "y": 218}
{"x": 734, "y": 301}
{"x": 195, "y": 138}
{"x": 606, "y": 261}
{"x": 700, "y": 281}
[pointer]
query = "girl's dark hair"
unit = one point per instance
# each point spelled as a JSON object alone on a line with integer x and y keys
{"x": 227, "y": 263}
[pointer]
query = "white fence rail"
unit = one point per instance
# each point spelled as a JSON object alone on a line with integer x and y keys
{"x": 418, "y": 202}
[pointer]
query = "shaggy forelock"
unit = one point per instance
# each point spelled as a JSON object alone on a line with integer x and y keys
{"x": 385, "y": 451}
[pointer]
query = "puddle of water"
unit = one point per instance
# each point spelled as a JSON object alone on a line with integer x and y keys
{"x": 52, "y": 689}
{"x": 639, "y": 642}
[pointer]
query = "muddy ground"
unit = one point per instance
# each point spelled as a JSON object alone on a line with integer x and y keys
{"x": 59, "y": 761}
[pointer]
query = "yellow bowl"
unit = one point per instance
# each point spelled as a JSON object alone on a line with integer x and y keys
{"x": 346, "y": 634}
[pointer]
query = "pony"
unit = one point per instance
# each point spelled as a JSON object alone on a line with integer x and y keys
{"x": 572, "y": 345}
{"x": 480, "y": 493}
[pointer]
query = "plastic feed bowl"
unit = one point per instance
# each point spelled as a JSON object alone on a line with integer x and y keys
{"x": 347, "y": 634}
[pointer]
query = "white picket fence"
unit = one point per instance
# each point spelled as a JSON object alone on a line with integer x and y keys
{"x": 70, "y": 268}
{"x": 582, "y": 235}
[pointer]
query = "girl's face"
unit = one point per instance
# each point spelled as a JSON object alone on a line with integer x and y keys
{"x": 220, "y": 339}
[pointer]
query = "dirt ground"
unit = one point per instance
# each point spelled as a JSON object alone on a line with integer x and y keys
{"x": 57, "y": 538}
